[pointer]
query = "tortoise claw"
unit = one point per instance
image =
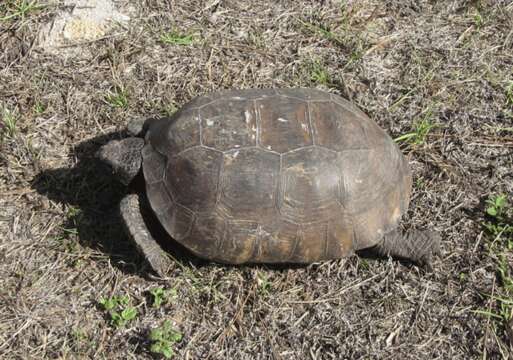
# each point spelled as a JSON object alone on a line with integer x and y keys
{"x": 159, "y": 263}
{"x": 428, "y": 246}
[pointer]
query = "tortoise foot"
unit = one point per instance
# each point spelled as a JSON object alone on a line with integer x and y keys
{"x": 425, "y": 245}
{"x": 417, "y": 246}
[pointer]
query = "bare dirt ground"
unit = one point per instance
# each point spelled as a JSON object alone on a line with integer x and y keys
{"x": 440, "y": 73}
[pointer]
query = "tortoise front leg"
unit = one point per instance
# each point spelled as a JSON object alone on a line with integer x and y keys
{"x": 417, "y": 246}
{"x": 138, "y": 231}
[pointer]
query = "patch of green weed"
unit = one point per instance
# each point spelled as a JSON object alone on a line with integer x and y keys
{"x": 264, "y": 285}
{"x": 162, "y": 296}
{"x": 499, "y": 233}
{"x": 119, "y": 309}
{"x": 256, "y": 39}
{"x": 497, "y": 206}
{"x": 79, "y": 334}
{"x": 498, "y": 226}
{"x": 344, "y": 14}
{"x": 81, "y": 340}
{"x": 163, "y": 339}
{"x": 318, "y": 73}
{"x": 420, "y": 183}
{"x": 169, "y": 109}
{"x": 478, "y": 20}
{"x": 462, "y": 276}
{"x": 363, "y": 264}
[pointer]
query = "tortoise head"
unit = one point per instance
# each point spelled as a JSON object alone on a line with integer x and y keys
{"x": 124, "y": 156}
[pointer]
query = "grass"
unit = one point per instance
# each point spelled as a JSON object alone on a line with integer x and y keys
{"x": 257, "y": 40}
{"x": 39, "y": 108}
{"x": 8, "y": 122}
{"x": 174, "y": 37}
{"x": 117, "y": 98}
{"x": 324, "y": 32}
{"x": 509, "y": 93}
{"x": 19, "y": 9}
{"x": 478, "y": 20}
{"x": 345, "y": 38}
{"x": 421, "y": 128}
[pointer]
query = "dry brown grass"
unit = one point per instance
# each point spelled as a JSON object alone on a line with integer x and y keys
{"x": 61, "y": 243}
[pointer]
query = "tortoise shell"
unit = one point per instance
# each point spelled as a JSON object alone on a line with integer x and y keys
{"x": 265, "y": 175}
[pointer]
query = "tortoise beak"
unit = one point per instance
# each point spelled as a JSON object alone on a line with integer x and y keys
{"x": 100, "y": 154}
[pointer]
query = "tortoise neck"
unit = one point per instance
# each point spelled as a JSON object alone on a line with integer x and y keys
{"x": 137, "y": 185}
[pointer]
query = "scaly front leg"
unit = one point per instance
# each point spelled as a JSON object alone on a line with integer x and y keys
{"x": 138, "y": 231}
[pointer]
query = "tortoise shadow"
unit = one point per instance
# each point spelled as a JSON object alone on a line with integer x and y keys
{"x": 92, "y": 196}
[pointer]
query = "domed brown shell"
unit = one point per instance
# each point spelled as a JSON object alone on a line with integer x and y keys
{"x": 264, "y": 175}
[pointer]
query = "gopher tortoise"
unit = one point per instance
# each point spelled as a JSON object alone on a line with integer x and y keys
{"x": 267, "y": 176}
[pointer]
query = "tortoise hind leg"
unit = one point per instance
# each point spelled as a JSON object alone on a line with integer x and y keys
{"x": 138, "y": 231}
{"x": 417, "y": 246}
